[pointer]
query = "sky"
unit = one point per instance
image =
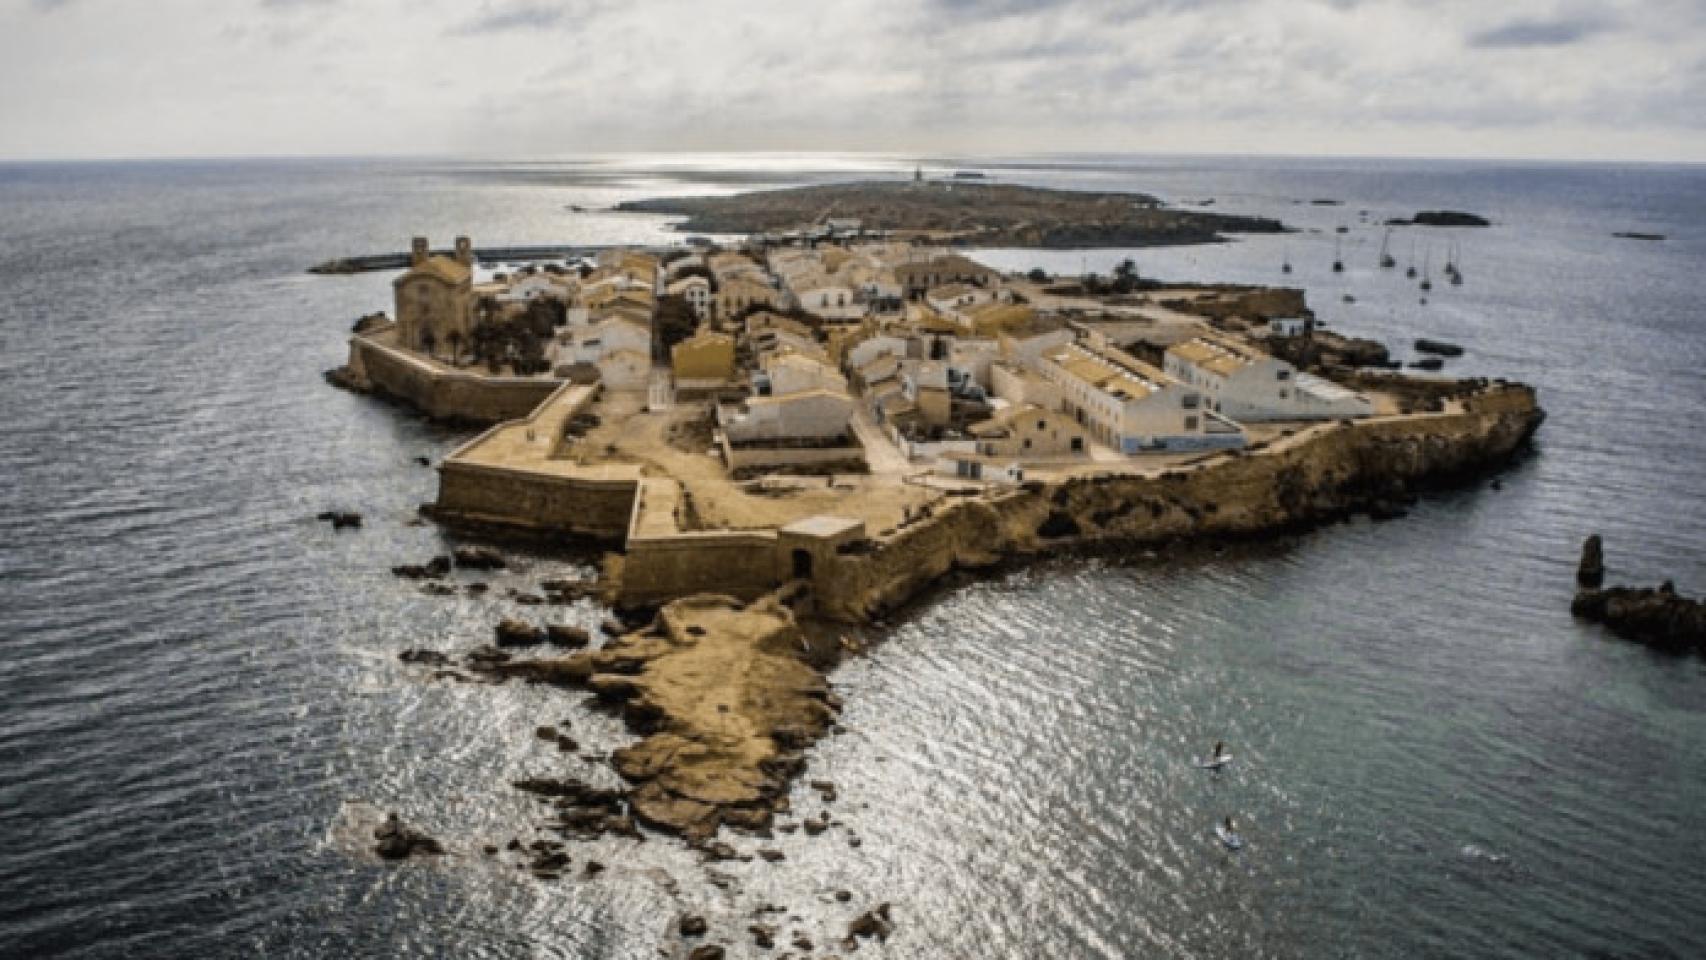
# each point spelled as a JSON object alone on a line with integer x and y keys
{"x": 1545, "y": 79}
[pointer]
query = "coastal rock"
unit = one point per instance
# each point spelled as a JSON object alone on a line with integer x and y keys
{"x": 692, "y": 926}
{"x": 763, "y": 935}
{"x": 518, "y": 633}
{"x": 1590, "y": 572}
{"x": 341, "y": 519}
{"x": 1658, "y": 617}
{"x": 723, "y": 698}
{"x": 871, "y": 923}
{"x": 433, "y": 569}
{"x": 565, "y": 635}
{"x": 709, "y": 951}
{"x": 427, "y": 658}
{"x": 1439, "y": 347}
{"x": 479, "y": 558}
{"x": 398, "y": 841}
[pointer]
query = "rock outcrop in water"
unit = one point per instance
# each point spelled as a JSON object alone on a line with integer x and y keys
{"x": 1590, "y": 572}
{"x": 724, "y": 699}
{"x": 399, "y": 841}
{"x": 1656, "y": 616}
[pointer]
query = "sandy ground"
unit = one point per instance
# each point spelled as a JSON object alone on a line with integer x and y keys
{"x": 655, "y": 442}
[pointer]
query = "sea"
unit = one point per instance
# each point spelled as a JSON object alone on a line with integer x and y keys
{"x": 202, "y": 708}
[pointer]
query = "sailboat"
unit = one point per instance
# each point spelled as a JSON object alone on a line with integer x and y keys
{"x": 1338, "y": 262}
{"x": 1411, "y": 271}
{"x": 1285, "y": 266}
{"x": 1427, "y": 271}
{"x": 1386, "y": 261}
{"x": 1452, "y": 270}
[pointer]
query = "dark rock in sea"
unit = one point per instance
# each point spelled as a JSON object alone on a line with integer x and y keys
{"x": 424, "y": 461}
{"x": 436, "y": 589}
{"x": 771, "y": 856}
{"x": 477, "y": 588}
{"x": 397, "y": 841}
{"x": 433, "y": 569}
{"x": 594, "y": 868}
{"x": 1657, "y": 617}
{"x": 425, "y": 658}
{"x": 518, "y": 633}
{"x": 1439, "y": 347}
{"x": 479, "y": 558}
{"x": 529, "y": 599}
{"x": 486, "y": 655}
{"x": 341, "y": 519}
{"x": 825, "y": 789}
{"x": 1590, "y": 572}
{"x": 709, "y": 951}
{"x": 1635, "y": 235}
{"x": 692, "y": 926}
{"x": 1443, "y": 218}
{"x": 612, "y": 627}
{"x": 763, "y": 935}
{"x": 552, "y": 861}
{"x": 802, "y": 942}
{"x": 1427, "y": 363}
{"x": 816, "y": 825}
{"x": 842, "y": 896}
{"x": 564, "y": 635}
{"x": 871, "y": 923}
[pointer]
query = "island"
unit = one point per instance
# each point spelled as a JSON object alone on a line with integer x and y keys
{"x": 1442, "y": 218}
{"x": 779, "y": 441}
{"x": 960, "y": 212}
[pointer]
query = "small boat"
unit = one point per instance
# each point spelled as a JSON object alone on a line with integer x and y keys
{"x": 1411, "y": 270}
{"x": 1285, "y": 266}
{"x": 1229, "y": 837}
{"x": 1454, "y": 271}
{"x": 1386, "y": 261}
{"x": 1214, "y": 763}
{"x": 1338, "y": 262}
{"x": 1427, "y": 271}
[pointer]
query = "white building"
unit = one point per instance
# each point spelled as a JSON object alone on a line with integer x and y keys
{"x": 591, "y": 343}
{"x": 1286, "y": 326}
{"x": 787, "y": 373}
{"x": 534, "y": 286}
{"x": 809, "y": 415}
{"x": 1131, "y": 406}
{"x": 1244, "y": 383}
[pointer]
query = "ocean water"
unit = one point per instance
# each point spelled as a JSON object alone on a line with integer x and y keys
{"x": 200, "y": 698}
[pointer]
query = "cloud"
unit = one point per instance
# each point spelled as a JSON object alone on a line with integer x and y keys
{"x": 504, "y": 17}
{"x": 1539, "y": 33}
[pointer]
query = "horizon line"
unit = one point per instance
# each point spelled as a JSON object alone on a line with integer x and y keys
{"x": 898, "y": 156}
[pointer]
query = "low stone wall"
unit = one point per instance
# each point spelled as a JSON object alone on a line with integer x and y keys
{"x": 577, "y": 506}
{"x": 1336, "y": 470}
{"x": 738, "y": 458}
{"x": 737, "y": 563}
{"x": 378, "y": 368}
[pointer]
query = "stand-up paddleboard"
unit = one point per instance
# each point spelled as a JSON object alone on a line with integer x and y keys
{"x": 1228, "y": 838}
{"x": 1214, "y": 763}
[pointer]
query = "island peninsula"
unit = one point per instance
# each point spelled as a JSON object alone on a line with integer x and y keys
{"x": 781, "y": 438}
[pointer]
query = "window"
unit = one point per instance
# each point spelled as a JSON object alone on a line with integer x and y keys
{"x": 1039, "y": 425}
{"x": 1284, "y": 394}
{"x": 1190, "y": 401}
{"x": 1190, "y": 423}
{"x": 1282, "y": 374}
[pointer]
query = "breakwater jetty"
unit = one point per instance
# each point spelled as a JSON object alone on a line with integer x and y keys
{"x": 397, "y": 261}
